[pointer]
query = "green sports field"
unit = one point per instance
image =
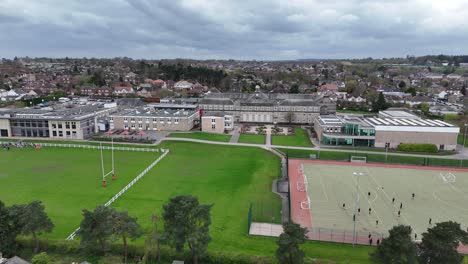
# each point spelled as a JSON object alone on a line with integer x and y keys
{"x": 231, "y": 178}
{"x": 65, "y": 180}
{"x": 439, "y": 194}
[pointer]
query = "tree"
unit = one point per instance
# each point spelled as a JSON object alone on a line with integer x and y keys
{"x": 96, "y": 228}
{"x": 124, "y": 226}
{"x": 41, "y": 258}
{"x": 289, "y": 117}
{"x": 288, "y": 244}
{"x": 187, "y": 222}
{"x": 439, "y": 244}
{"x": 33, "y": 220}
{"x": 8, "y": 230}
{"x": 397, "y": 248}
{"x": 411, "y": 91}
{"x": 380, "y": 104}
{"x": 351, "y": 85}
{"x": 424, "y": 108}
{"x": 153, "y": 241}
{"x": 294, "y": 89}
{"x": 402, "y": 85}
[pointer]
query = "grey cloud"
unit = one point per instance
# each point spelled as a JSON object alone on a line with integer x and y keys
{"x": 231, "y": 29}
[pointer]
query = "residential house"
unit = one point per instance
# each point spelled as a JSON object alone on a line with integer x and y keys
{"x": 329, "y": 87}
{"x": 357, "y": 99}
{"x": 183, "y": 85}
{"x": 130, "y": 77}
{"x": 419, "y": 99}
{"x": 123, "y": 90}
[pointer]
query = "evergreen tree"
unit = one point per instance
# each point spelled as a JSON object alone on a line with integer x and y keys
{"x": 124, "y": 226}
{"x": 288, "y": 244}
{"x": 439, "y": 244}
{"x": 8, "y": 230}
{"x": 380, "y": 104}
{"x": 96, "y": 228}
{"x": 187, "y": 222}
{"x": 397, "y": 248}
{"x": 33, "y": 220}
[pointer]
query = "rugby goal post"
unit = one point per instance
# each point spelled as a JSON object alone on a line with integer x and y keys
{"x": 358, "y": 159}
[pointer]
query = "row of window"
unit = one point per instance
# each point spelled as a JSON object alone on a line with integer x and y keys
{"x": 263, "y": 108}
{"x": 60, "y": 133}
{"x": 155, "y": 119}
{"x": 68, "y": 125}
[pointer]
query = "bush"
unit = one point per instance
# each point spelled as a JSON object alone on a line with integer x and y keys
{"x": 41, "y": 258}
{"x": 130, "y": 140}
{"x": 427, "y": 148}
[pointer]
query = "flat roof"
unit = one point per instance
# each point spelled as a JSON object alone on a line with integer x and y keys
{"x": 397, "y": 114}
{"x": 379, "y": 121}
{"x": 150, "y": 112}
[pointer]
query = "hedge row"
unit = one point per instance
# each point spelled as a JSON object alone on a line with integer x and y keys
{"x": 376, "y": 158}
{"x": 116, "y": 139}
{"x": 426, "y": 148}
{"x": 65, "y": 247}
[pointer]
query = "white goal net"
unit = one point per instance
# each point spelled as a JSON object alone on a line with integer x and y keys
{"x": 305, "y": 205}
{"x": 300, "y": 186}
{"x": 359, "y": 159}
{"x": 448, "y": 177}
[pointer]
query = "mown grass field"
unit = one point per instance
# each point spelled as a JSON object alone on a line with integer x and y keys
{"x": 253, "y": 139}
{"x": 66, "y": 180}
{"x": 202, "y": 136}
{"x": 230, "y": 178}
{"x": 299, "y": 139}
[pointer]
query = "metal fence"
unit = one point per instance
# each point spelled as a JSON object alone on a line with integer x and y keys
{"x": 136, "y": 179}
{"x": 344, "y": 236}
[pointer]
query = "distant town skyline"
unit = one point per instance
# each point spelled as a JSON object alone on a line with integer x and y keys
{"x": 244, "y": 30}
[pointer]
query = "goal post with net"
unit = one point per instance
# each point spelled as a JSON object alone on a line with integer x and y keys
{"x": 358, "y": 159}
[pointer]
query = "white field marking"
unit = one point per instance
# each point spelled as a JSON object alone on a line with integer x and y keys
{"x": 370, "y": 205}
{"x": 375, "y": 197}
{"x": 385, "y": 193}
{"x": 323, "y": 186}
{"x": 455, "y": 188}
{"x": 447, "y": 203}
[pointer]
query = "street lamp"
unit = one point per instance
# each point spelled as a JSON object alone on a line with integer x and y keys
{"x": 355, "y": 206}
{"x": 464, "y": 138}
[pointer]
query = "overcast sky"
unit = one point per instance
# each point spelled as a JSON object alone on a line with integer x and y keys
{"x": 238, "y": 29}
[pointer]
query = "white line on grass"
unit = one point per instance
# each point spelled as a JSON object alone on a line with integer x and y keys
{"x": 121, "y": 192}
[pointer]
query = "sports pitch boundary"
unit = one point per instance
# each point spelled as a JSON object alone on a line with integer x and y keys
{"x": 302, "y": 216}
{"x": 129, "y": 185}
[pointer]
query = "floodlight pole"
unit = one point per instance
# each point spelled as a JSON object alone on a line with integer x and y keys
{"x": 113, "y": 170}
{"x": 355, "y": 206}
{"x": 386, "y": 152}
{"x": 102, "y": 166}
{"x": 464, "y": 138}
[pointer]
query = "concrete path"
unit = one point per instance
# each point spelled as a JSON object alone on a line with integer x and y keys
{"x": 455, "y": 156}
{"x": 235, "y": 135}
{"x": 268, "y": 136}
